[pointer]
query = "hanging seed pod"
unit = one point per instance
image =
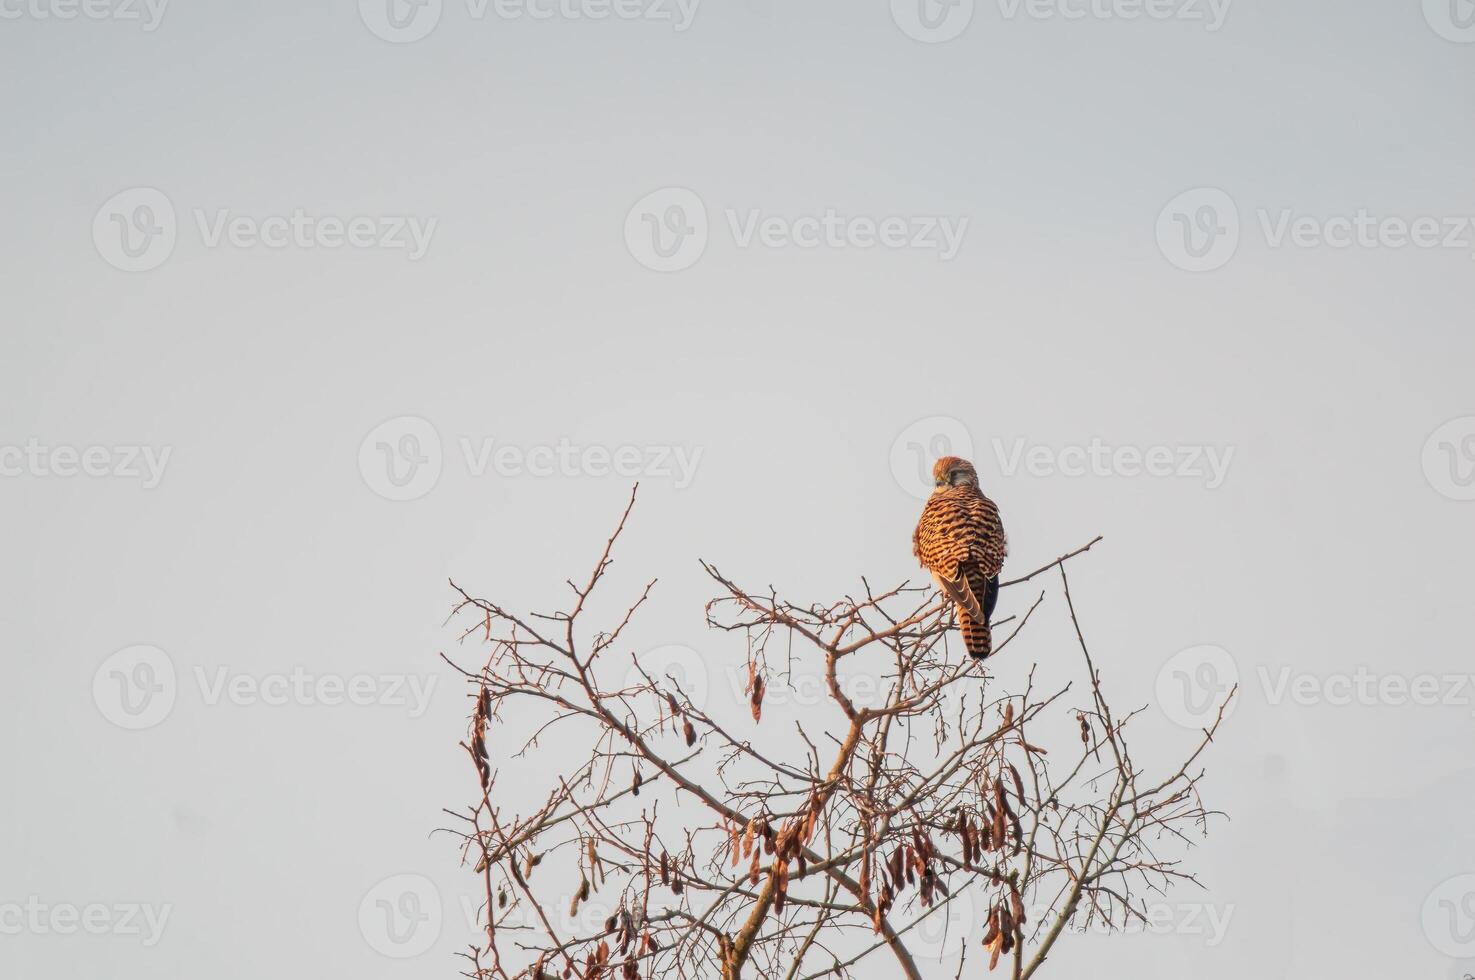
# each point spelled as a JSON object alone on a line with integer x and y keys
{"x": 689, "y": 731}
{"x": 584, "y": 890}
{"x": 665, "y": 869}
{"x": 1017, "y": 903}
{"x": 529, "y": 863}
{"x": 1018, "y": 782}
{"x": 1008, "y": 713}
{"x": 671, "y": 702}
{"x": 757, "y": 699}
{"x": 992, "y": 931}
{"x": 635, "y": 784}
{"x": 609, "y": 924}
{"x": 501, "y": 898}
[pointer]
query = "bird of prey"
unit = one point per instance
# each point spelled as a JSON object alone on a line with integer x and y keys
{"x": 960, "y": 540}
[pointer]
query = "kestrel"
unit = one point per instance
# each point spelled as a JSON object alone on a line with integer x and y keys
{"x": 960, "y": 540}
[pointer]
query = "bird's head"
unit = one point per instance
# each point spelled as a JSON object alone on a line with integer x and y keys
{"x": 954, "y": 471}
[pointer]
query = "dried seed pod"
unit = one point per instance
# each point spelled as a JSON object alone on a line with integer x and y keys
{"x": 757, "y": 699}
{"x": 665, "y": 869}
{"x": 635, "y": 785}
{"x": 1017, "y": 903}
{"x": 992, "y": 931}
{"x": 529, "y": 863}
{"x": 671, "y": 701}
{"x": 689, "y": 731}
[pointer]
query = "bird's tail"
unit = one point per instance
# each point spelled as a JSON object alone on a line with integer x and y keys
{"x": 978, "y": 636}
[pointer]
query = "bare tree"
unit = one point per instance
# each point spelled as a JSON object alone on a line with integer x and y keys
{"x": 796, "y": 848}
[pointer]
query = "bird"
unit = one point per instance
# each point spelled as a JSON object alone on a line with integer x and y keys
{"x": 960, "y": 540}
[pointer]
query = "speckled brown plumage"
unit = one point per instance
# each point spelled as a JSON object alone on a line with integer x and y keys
{"x": 961, "y": 541}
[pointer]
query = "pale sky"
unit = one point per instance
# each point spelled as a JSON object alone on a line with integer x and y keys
{"x": 337, "y": 301}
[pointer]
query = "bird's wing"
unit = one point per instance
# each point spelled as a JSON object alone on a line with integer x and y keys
{"x": 958, "y": 590}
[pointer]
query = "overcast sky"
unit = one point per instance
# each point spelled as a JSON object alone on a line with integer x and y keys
{"x": 309, "y": 307}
